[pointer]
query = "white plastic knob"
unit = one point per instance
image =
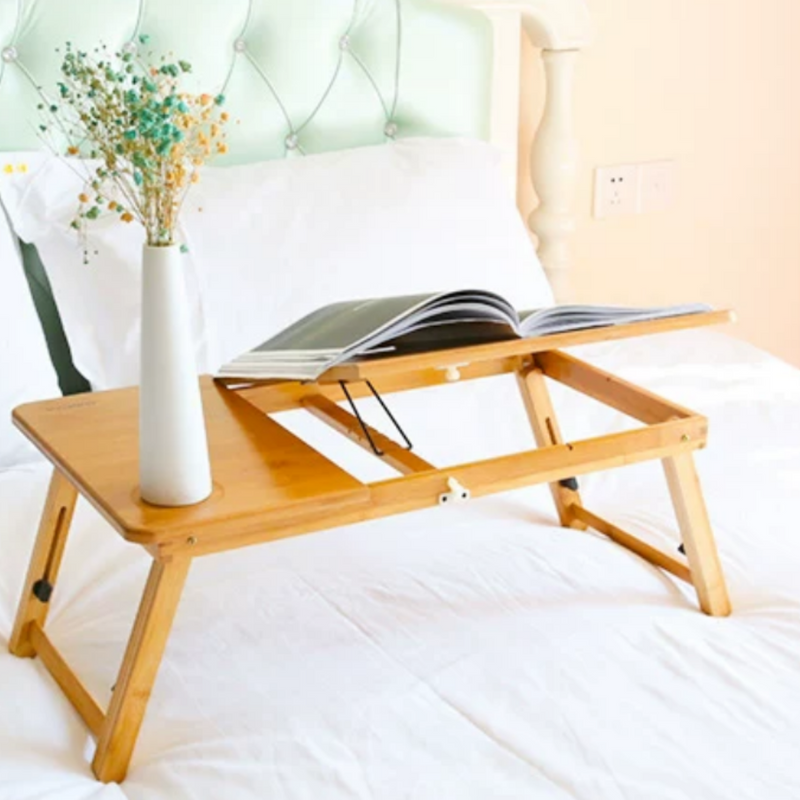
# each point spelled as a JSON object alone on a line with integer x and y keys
{"x": 457, "y": 493}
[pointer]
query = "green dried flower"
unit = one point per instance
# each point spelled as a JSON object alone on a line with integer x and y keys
{"x": 148, "y": 134}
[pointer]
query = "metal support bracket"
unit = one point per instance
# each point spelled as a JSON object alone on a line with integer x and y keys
{"x": 365, "y": 428}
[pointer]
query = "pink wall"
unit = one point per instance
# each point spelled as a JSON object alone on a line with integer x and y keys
{"x": 714, "y": 85}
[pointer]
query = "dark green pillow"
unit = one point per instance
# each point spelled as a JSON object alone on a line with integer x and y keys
{"x": 69, "y": 379}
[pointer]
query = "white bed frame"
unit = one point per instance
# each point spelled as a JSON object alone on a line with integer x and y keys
{"x": 30, "y": 30}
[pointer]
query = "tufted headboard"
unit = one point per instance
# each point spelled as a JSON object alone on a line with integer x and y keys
{"x": 305, "y": 76}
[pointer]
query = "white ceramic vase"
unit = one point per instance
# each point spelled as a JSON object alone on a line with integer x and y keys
{"x": 174, "y": 468}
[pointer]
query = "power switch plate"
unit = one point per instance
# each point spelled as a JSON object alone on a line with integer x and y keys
{"x": 616, "y": 190}
{"x": 657, "y": 186}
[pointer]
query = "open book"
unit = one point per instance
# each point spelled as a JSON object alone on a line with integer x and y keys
{"x": 400, "y": 325}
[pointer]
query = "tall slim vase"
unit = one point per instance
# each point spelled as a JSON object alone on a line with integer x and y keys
{"x": 174, "y": 468}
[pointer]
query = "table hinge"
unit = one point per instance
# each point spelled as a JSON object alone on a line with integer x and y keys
{"x": 42, "y": 590}
{"x": 569, "y": 483}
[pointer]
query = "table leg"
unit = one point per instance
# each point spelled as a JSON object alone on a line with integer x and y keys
{"x": 139, "y": 668}
{"x": 698, "y": 538}
{"x": 542, "y": 417}
{"x": 45, "y": 562}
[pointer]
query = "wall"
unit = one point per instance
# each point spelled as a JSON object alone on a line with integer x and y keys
{"x": 715, "y": 85}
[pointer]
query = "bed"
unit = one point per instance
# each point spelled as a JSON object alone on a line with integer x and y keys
{"x": 485, "y": 653}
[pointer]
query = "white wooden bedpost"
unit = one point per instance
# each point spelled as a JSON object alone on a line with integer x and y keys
{"x": 554, "y": 170}
{"x": 560, "y": 29}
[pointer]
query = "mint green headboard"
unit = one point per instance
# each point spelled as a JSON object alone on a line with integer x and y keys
{"x": 300, "y": 76}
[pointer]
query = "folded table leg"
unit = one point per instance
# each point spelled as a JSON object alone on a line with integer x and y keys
{"x": 45, "y": 563}
{"x": 139, "y": 668}
{"x": 546, "y": 432}
{"x": 698, "y": 538}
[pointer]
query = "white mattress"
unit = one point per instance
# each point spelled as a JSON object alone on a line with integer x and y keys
{"x": 473, "y": 652}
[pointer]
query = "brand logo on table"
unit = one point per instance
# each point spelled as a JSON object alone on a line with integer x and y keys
{"x": 59, "y": 407}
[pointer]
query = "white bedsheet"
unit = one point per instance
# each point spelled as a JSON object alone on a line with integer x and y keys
{"x": 474, "y": 652}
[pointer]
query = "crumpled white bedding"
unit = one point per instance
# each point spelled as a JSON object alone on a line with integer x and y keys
{"x": 473, "y": 652}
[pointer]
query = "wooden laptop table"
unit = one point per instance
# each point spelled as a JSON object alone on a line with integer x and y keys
{"x": 268, "y": 484}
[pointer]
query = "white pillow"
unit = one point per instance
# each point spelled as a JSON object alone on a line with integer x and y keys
{"x": 99, "y": 302}
{"x": 277, "y": 239}
{"x": 25, "y": 366}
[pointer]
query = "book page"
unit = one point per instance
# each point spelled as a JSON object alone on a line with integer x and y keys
{"x": 561, "y": 319}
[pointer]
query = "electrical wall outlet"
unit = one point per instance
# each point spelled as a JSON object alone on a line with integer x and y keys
{"x": 634, "y": 188}
{"x": 616, "y": 190}
{"x": 657, "y": 181}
